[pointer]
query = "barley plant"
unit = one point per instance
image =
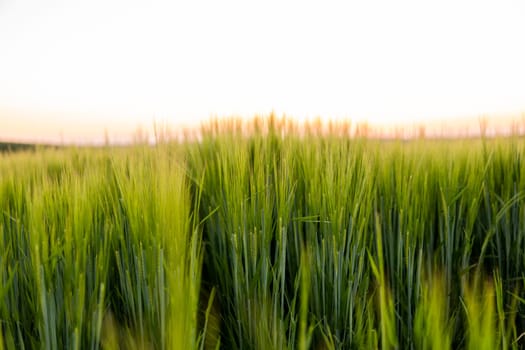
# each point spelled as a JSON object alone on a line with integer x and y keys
{"x": 265, "y": 234}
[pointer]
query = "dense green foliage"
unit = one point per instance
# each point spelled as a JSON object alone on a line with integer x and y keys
{"x": 265, "y": 240}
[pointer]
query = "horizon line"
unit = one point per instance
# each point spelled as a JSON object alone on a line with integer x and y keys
{"x": 466, "y": 127}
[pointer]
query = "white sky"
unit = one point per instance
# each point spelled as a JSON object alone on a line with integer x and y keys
{"x": 77, "y": 67}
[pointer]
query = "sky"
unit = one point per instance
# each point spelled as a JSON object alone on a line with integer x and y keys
{"x": 75, "y": 70}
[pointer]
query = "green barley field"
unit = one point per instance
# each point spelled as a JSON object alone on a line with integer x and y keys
{"x": 265, "y": 235}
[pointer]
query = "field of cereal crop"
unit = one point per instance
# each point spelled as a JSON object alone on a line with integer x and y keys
{"x": 271, "y": 238}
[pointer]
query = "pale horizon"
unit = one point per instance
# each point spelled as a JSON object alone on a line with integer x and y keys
{"x": 71, "y": 71}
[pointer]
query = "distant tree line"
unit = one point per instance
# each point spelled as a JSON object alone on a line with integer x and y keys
{"x": 6, "y": 147}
